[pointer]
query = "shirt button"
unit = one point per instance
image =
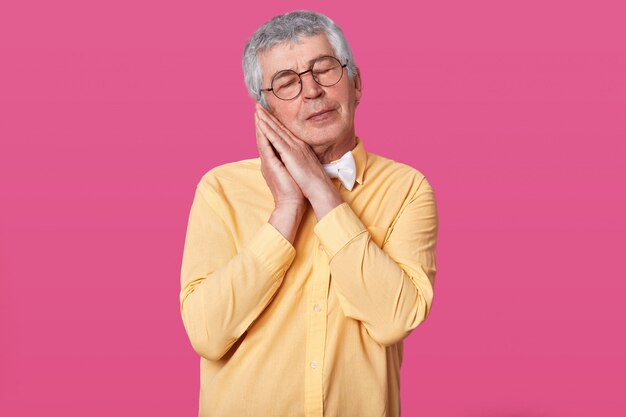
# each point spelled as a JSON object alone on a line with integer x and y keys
{"x": 313, "y": 364}
{"x": 317, "y": 308}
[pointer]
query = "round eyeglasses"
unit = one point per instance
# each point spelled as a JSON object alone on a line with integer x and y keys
{"x": 287, "y": 84}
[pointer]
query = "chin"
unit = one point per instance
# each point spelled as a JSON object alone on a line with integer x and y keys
{"x": 320, "y": 139}
{"x": 326, "y": 135}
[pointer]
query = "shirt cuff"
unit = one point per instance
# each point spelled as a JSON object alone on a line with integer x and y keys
{"x": 271, "y": 248}
{"x": 337, "y": 228}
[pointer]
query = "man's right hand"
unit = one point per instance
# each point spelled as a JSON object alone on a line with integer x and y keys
{"x": 289, "y": 201}
{"x": 284, "y": 188}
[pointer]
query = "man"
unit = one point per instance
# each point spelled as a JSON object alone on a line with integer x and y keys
{"x": 305, "y": 268}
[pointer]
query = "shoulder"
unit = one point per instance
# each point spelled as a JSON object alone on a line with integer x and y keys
{"x": 230, "y": 176}
{"x": 397, "y": 174}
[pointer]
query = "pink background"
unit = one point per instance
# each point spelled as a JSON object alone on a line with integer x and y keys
{"x": 110, "y": 112}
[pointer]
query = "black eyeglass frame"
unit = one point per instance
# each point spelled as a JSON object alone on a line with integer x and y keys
{"x": 300, "y": 77}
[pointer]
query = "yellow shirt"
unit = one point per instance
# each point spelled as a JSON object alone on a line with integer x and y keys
{"x": 314, "y": 328}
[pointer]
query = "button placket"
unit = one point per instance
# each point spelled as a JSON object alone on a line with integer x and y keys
{"x": 316, "y": 334}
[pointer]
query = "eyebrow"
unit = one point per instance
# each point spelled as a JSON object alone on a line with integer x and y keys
{"x": 311, "y": 61}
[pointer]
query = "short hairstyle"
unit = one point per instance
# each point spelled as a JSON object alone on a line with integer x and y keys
{"x": 289, "y": 27}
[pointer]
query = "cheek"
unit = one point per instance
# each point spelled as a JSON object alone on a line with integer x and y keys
{"x": 291, "y": 122}
{"x": 287, "y": 119}
{"x": 294, "y": 125}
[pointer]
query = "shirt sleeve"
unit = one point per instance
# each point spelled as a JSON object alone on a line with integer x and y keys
{"x": 224, "y": 290}
{"x": 389, "y": 289}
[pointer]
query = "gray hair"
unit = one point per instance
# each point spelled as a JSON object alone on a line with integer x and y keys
{"x": 289, "y": 27}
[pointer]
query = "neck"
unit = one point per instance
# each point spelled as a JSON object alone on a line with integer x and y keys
{"x": 335, "y": 150}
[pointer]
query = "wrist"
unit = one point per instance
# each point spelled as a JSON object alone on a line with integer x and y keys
{"x": 325, "y": 202}
{"x": 297, "y": 207}
{"x": 286, "y": 219}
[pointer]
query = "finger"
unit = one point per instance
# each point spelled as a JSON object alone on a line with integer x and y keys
{"x": 266, "y": 151}
{"x": 271, "y": 120}
{"x": 261, "y": 140}
{"x": 283, "y": 140}
{"x": 276, "y": 124}
{"x": 276, "y": 139}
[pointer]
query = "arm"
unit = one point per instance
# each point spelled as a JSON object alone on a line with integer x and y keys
{"x": 390, "y": 290}
{"x": 222, "y": 291}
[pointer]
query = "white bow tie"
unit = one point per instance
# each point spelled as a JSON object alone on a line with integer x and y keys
{"x": 344, "y": 169}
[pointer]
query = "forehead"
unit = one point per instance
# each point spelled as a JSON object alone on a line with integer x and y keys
{"x": 294, "y": 56}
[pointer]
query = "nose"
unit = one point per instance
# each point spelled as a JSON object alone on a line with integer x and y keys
{"x": 310, "y": 88}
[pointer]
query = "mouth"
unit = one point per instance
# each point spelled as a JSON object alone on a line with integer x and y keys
{"x": 320, "y": 115}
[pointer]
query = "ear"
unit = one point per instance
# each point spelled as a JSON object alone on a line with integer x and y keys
{"x": 357, "y": 85}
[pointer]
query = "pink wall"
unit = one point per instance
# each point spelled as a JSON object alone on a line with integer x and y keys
{"x": 111, "y": 113}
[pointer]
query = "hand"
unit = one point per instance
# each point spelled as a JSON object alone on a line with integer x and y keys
{"x": 285, "y": 190}
{"x": 296, "y": 155}
{"x": 301, "y": 162}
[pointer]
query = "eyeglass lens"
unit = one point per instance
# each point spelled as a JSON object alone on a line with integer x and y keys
{"x": 327, "y": 71}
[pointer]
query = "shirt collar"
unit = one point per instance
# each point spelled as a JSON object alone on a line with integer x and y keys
{"x": 360, "y": 159}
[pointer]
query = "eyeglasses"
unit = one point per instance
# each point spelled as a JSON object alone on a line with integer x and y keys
{"x": 287, "y": 84}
